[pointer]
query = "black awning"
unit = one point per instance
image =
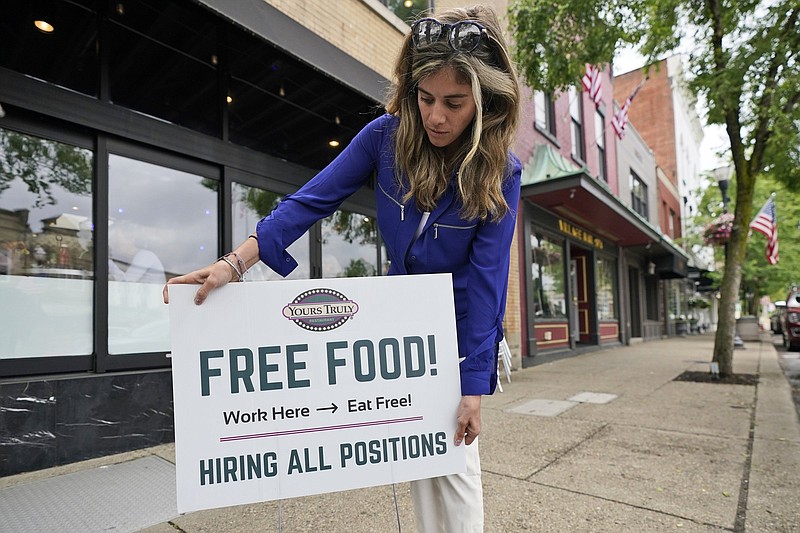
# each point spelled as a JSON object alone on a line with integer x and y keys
{"x": 671, "y": 265}
{"x": 270, "y": 24}
{"x": 670, "y": 261}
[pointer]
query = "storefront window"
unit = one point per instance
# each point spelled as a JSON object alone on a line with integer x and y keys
{"x": 386, "y": 264}
{"x": 250, "y": 205}
{"x": 46, "y": 248}
{"x": 676, "y": 307}
{"x": 606, "y": 289}
{"x": 349, "y": 245}
{"x": 547, "y": 272}
{"x": 162, "y": 222}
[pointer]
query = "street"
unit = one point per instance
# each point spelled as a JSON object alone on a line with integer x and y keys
{"x": 790, "y": 364}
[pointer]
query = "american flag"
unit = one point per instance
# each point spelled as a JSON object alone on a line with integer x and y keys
{"x": 592, "y": 82}
{"x": 766, "y": 222}
{"x": 620, "y": 120}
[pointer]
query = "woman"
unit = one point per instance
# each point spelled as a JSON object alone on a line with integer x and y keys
{"x": 447, "y": 190}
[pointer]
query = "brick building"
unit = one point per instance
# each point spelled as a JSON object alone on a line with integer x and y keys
{"x": 663, "y": 112}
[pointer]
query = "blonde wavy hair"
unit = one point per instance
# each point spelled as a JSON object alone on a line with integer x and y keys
{"x": 483, "y": 154}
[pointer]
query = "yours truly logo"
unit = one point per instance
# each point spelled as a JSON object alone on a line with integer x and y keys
{"x": 320, "y": 309}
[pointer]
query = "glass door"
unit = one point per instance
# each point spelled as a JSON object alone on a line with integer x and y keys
{"x": 574, "y": 314}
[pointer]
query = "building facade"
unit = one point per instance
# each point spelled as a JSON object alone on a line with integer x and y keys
{"x": 665, "y": 116}
{"x": 592, "y": 260}
{"x": 140, "y": 139}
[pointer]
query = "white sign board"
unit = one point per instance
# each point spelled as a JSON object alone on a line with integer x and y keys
{"x": 291, "y": 388}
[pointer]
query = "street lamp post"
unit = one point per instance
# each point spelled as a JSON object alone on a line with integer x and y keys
{"x": 723, "y": 177}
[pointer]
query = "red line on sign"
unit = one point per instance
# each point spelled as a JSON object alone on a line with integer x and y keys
{"x": 321, "y": 428}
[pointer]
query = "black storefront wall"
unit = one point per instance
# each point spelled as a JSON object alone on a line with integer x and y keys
{"x": 60, "y": 420}
{"x": 69, "y": 414}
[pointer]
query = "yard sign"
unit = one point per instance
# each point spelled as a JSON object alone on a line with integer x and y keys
{"x": 291, "y": 388}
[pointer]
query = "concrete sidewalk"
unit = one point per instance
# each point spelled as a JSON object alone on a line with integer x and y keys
{"x": 607, "y": 441}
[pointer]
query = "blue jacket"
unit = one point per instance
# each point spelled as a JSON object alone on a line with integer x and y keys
{"x": 475, "y": 253}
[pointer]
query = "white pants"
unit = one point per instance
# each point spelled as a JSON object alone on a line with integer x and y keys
{"x": 451, "y": 504}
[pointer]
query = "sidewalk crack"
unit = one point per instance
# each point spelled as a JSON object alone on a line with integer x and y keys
{"x": 635, "y": 506}
{"x": 744, "y": 488}
{"x": 578, "y": 444}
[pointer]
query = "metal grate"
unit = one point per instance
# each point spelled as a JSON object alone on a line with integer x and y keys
{"x": 124, "y": 497}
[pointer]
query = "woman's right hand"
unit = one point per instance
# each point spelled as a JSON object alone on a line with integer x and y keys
{"x": 209, "y": 278}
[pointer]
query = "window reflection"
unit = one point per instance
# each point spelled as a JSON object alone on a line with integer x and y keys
{"x": 349, "y": 245}
{"x": 162, "y": 222}
{"x": 606, "y": 289}
{"x": 386, "y": 264}
{"x": 251, "y": 204}
{"x": 547, "y": 273}
{"x": 46, "y": 247}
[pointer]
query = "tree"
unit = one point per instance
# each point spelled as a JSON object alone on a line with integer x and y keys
{"x": 408, "y": 9}
{"x": 758, "y": 276}
{"x": 744, "y": 63}
{"x": 42, "y": 165}
{"x": 358, "y": 268}
{"x": 353, "y": 227}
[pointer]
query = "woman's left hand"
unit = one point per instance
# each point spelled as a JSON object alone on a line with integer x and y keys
{"x": 468, "y": 420}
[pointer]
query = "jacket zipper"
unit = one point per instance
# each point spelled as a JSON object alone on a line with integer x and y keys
{"x": 401, "y": 206}
{"x": 436, "y": 227}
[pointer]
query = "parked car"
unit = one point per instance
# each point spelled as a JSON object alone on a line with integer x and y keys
{"x": 776, "y": 318}
{"x": 791, "y": 320}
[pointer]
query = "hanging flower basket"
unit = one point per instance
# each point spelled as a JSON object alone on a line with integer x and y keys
{"x": 718, "y": 231}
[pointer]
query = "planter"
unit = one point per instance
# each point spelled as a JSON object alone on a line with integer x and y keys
{"x": 718, "y": 231}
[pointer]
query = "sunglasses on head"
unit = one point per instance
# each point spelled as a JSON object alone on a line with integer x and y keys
{"x": 463, "y": 36}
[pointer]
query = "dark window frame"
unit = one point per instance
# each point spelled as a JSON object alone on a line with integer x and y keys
{"x": 576, "y": 122}
{"x": 639, "y": 195}
{"x": 602, "y": 158}
{"x": 545, "y": 124}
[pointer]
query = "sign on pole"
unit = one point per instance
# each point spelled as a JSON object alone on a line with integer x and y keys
{"x": 291, "y": 388}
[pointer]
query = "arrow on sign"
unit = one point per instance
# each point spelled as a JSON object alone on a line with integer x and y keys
{"x": 332, "y": 408}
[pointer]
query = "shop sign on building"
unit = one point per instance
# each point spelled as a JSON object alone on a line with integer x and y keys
{"x": 292, "y": 388}
{"x": 579, "y": 234}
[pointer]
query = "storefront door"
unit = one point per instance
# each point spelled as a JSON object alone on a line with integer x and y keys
{"x": 635, "y": 312}
{"x": 574, "y": 315}
{"x": 583, "y": 322}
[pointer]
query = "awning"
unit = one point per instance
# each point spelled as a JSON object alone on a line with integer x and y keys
{"x": 552, "y": 182}
{"x": 270, "y": 24}
{"x": 670, "y": 260}
{"x": 699, "y": 273}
